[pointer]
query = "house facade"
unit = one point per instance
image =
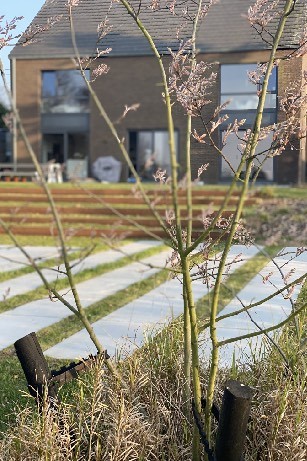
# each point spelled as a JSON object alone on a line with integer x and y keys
{"x": 63, "y": 123}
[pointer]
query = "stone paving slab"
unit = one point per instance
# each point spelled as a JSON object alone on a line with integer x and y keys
{"x": 11, "y": 258}
{"x": 125, "y": 328}
{"x": 35, "y": 315}
{"x": 22, "y": 284}
{"x": 267, "y": 315}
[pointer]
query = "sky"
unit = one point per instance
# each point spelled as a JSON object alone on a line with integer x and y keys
{"x": 9, "y": 9}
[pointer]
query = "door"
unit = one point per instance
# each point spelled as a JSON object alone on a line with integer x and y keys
{"x": 53, "y": 148}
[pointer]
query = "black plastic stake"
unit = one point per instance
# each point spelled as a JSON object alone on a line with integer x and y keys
{"x": 233, "y": 420}
{"x": 35, "y": 367}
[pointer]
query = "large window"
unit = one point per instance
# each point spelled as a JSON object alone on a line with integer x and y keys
{"x": 242, "y": 94}
{"x": 149, "y": 150}
{"x": 64, "y": 91}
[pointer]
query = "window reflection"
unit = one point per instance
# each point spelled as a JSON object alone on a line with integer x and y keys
{"x": 149, "y": 150}
{"x": 64, "y": 91}
{"x": 242, "y": 94}
{"x": 232, "y": 152}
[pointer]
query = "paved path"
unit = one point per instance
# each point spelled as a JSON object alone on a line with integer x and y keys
{"x": 35, "y": 315}
{"x": 272, "y": 312}
{"x": 11, "y": 258}
{"x": 22, "y": 284}
{"x": 124, "y": 329}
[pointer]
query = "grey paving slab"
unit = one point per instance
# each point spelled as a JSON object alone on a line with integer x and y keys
{"x": 125, "y": 329}
{"x": 11, "y": 258}
{"x": 266, "y": 315}
{"x": 42, "y": 313}
{"x": 22, "y": 284}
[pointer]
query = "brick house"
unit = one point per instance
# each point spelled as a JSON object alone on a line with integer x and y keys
{"x": 62, "y": 122}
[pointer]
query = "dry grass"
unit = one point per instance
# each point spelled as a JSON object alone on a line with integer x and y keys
{"x": 278, "y": 424}
{"x": 98, "y": 420}
{"x": 280, "y": 220}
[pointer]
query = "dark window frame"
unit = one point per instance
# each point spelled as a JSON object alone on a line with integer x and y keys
{"x": 49, "y": 102}
{"x": 152, "y": 131}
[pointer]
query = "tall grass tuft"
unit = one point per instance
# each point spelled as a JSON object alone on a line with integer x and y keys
{"x": 278, "y": 424}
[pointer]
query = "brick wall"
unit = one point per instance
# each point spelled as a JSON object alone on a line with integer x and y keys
{"x": 130, "y": 81}
{"x": 28, "y": 97}
{"x": 138, "y": 80}
{"x": 286, "y": 165}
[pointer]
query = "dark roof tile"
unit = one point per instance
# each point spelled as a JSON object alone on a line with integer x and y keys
{"x": 224, "y": 29}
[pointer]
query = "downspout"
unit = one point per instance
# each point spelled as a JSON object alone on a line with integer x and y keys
{"x": 13, "y": 90}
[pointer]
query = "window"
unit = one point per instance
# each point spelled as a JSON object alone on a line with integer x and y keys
{"x": 149, "y": 150}
{"x": 63, "y": 146}
{"x": 233, "y": 154}
{"x": 64, "y": 91}
{"x": 242, "y": 94}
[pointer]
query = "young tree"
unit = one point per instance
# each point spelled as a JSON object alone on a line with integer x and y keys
{"x": 187, "y": 82}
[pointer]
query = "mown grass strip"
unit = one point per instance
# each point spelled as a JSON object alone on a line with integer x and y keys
{"x": 236, "y": 281}
{"x": 78, "y": 252}
{"x": 59, "y": 331}
{"x": 47, "y": 240}
{"x": 12, "y": 381}
{"x": 27, "y": 269}
{"x": 82, "y": 276}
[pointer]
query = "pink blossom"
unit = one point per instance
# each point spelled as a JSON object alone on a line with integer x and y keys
{"x": 263, "y": 12}
{"x": 99, "y": 70}
{"x": 169, "y": 216}
{"x": 198, "y": 137}
{"x": 201, "y": 169}
{"x": 29, "y": 36}
{"x": 72, "y": 3}
{"x": 192, "y": 83}
{"x": 5, "y": 30}
{"x": 104, "y": 28}
{"x": 160, "y": 175}
{"x": 215, "y": 124}
{"x": 233, "y": 128}
{"x": 256, "y": 76}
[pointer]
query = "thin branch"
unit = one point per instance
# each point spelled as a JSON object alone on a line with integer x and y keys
{"x": 266, "y": 330}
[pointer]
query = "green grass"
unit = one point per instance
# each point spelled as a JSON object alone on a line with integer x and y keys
{"x": 50, "y": 336}
{"x": 37, "y": 240}
{"x": 70, "y": 325}
{"x": 235, "y": 282}
{"x": 284, "y": 192}
{"x": 13, "y": 389}
{"x": 27, "y": 269}
{"x": 82, "y": 276}
{"x": 12, "y": 380}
